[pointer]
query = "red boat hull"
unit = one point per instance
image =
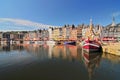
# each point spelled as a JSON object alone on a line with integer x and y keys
{"x": 91, "y": 46}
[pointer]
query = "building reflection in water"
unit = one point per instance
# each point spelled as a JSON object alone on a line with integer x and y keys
{"x": 11, "y": 47}
{"x": 64, "y": 52}
{"x": 47, "y": 51}
{"x": 67, "y": 52}
{"x": 40, "y": 51}
{"x": 50, "y": 50}
{"x": 86, "y": 61}
{"x": 91, "y": 61}
{"x": 71, "y": 53}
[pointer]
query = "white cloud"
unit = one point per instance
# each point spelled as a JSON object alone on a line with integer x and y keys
{"x": 25, "y": 22}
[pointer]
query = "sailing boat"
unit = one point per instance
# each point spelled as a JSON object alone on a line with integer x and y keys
{"x": 91, "y": 40}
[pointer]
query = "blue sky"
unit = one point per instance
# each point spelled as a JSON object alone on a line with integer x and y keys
{"x": 60, "y": 12}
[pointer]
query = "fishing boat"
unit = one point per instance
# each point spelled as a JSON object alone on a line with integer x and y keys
{"x": 91, "y": 45}
{"x": 91, "y": 40}
{"x": 39, "y": 42}
{"x": 51, "y": 42}
{"x": 70, "y": 42}
{"x": 58, "y": 42}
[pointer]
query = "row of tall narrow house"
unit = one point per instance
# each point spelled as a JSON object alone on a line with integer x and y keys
{"x": 68, "y": 34}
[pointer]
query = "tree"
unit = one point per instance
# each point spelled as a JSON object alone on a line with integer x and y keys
{"x": 73, "y": 26}
{"x": 65, "y": 25}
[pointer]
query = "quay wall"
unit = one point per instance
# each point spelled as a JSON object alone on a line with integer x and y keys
{"x": 112, "y": 48}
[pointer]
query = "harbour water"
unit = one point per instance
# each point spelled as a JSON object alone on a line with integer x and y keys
{"x": 56, "y": 62}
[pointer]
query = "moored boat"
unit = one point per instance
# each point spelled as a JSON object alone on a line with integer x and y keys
{"x": 91, "y": 37}
{"x": 58, "y": 42}
{"x": 91, "y": 45}
{"x": 70, "y": 42}
{"x": 51, "y": 42}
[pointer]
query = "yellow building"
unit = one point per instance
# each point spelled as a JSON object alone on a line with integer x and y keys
{"x": 64, "y": 29}
{"x": 73, "y": 33}
{"x": 55, "y": 33}
{"x": 64, "y": 33}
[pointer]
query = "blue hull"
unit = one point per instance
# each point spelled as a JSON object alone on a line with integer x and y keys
{"x": 70, "y": 43}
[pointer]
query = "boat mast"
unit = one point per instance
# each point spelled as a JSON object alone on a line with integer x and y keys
{"x": 91, "y": 25}
{"x": 113, "y": 22}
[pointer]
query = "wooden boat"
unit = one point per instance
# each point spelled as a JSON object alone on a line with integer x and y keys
{"x": 58, "y": 42}
{"x": 70, "y": 42}
{"x": 91, "y": 40}
{"x": 91, "y": 45}
{"x": 39, "y": 42}
{"x": 51, "y": 42}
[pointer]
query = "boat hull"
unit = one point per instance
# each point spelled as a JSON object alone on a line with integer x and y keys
{"x": 50, "y": 42}
{"x": 70, "y": 43}
{"x": 91, "y": 46}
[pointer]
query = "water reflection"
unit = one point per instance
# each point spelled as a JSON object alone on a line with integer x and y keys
{"x": 91, "y": 61}
{"x": 11, "y": 47}
{"x": 64, "y": 52}
{"x": 47, "y": 51}
{"x": 72, "y": 60}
